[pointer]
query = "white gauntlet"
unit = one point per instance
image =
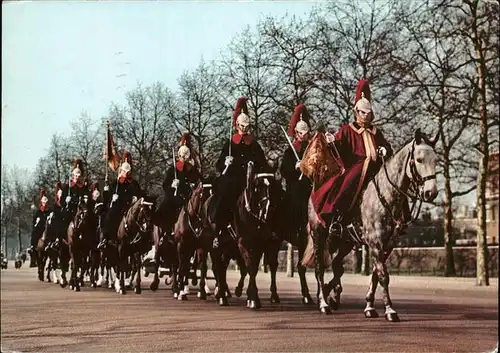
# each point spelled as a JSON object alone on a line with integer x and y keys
{"x": 297, "y": 165}
{"x": 68, "y": 199}
{"x": 106, "y": 188}
{"x": 134, "y": 199}
{"x": 382, "y": 151}
{"x": 228, "y": 161}
{"x": 114, "y": 198}
{"x": 175, "y": 183}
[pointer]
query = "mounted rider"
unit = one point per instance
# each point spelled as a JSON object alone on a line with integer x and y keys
{"x": 232, "y": 166}
{"x": 298, "y": 186}
{"x": 56, "y": 217}
{"x": 78, "y": 188}
{"x": 179, "y": 182}
{"x": 118, "y": 197}
{"x": 360, "y": 145}
{"x": 39, "y": 219}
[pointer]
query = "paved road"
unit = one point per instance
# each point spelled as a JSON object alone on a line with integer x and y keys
{"x": 437, "y": 315}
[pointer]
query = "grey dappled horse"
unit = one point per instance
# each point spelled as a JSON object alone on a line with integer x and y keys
{"x": 413, "y": 165}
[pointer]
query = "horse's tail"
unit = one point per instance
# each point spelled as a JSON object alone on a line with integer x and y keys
{"x": 308, "y": 259}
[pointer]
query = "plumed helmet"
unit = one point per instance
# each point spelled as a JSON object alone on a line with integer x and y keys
{"x": 59, "y": 190}
{"x": 363, "y": 98}
{"x": 78, "y": 169}
{"x": 94, "y": 189}
{"x": 43, "y": 198}
{"x": 185, "y": 146}
{"x": 240, "y": 114}
{"x": 126, "y": 165}
{"x": 299, "y": 121}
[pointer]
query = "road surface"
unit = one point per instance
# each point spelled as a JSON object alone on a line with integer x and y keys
{"x": 437, "y": 315}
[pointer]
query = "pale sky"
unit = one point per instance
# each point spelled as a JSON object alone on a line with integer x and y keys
{"x": 59, "y": 58}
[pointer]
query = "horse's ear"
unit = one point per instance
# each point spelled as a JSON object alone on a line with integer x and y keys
{"x": 435, "y": 139}
{"x": 418, "y": 136}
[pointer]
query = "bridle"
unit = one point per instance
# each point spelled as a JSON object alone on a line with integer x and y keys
{"x": 141, "y": 228}
{"x": 416, "y": 182}
{"x": 264, "y": 203}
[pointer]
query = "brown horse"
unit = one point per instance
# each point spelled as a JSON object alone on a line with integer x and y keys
{"x": 252, "y": 224}
{"x": 133, "y": 238}
{"x": 188, "y": 237}
{"x": 80, "y": 229}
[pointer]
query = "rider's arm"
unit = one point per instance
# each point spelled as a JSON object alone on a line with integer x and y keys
{"x": 287, "y": 168}
{"x": 167, "y": 183}
{"x": 220, "y": 166}
{"x": 380, "y": 141}
{"x": 259, "y": 157}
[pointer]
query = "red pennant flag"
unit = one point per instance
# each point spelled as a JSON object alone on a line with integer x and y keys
{"x": 110, "y": 154}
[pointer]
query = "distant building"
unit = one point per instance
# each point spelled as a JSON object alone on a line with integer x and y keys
{"x": 465, "y": 216}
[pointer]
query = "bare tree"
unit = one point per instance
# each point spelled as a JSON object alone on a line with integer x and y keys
{"x": 87, "y": 142}
{"x": 144, "y": 127}
{"x": 202, "y": 112}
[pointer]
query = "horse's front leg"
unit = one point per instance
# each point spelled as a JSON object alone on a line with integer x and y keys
{"x": 137, "y": 269}
{"x": 121, "y": 269}
{"x": 301, "y": 270}
{"x": 184, "y": 267}
{"x": 202, "y": 261}
{"x": 243, "y": 273}
{"x": 220, "y": 271}
{"x": 338, "y": 270}
{"x": 383, "y": 277}
{"x": 253, "y": 268}
{"x": 272, "y": 260}
{"x": 319, "y": 236}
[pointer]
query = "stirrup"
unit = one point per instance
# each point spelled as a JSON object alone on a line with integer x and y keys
{"x": 351, "y": 230}
{"x": 335, "y": 229}
{"x": 136, "y": 239}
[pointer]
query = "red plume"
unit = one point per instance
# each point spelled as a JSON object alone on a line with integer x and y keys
{"x": 299, "y": 112}
{"x": 363, "y": 87}
{"x": 241, "y": 106}
{"x": 127, "y": 157}
{"x": 77, "y": 163}
{"x": 186, "y": 140}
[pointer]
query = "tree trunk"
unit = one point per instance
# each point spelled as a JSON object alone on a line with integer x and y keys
{"x": 19, "y": 235}
{"x": 482, "y": 275}
{"x": 289, "y": 261}
{"x": 449, "y": 269}
{"x": 365, "y": 266}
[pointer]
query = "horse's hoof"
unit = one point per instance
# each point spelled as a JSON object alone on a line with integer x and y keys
{"x": 183, "y": 297}
{"x": 202, "y": 295}
{"x": 223, "y": 302}
{"x": 138, "y": 290}
{"x": 82, "y": 284}
{"x": 371, "y": 314}
{"x": 176, "y": 295}
{"x": 121, "y": 291}
{"x": 392, "y": 317}
{"x": 63, "y": 284}
{"x": 71, "y": 287}
{"x": 307, "y": 300}
{"x": 76, "y": 289}
{"x": 238, "y": 291}
{"x": 325, "y": 310}
{"x": 333, "y": 303}
{"x": 275, "y": 298}
{"x": 153, "y": 286}
{"x": 255, "y": 305}
{"x": 93, "y": 285}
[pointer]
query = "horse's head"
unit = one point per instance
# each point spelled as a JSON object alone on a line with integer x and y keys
{"x": 258, "y": 193}
{"x": 141, "y": 214}
{"x": 81, "y": 216}
{"x": 198, "y": 197}
{"x": 421, "y": 167}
